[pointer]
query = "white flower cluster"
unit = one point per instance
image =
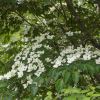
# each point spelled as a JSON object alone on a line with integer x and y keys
{"x": 32, "y": 59}
{"x": 5, "y": 45}
{"x": 98, "y": 61}
{"x": 53, "y": 8}
{"x": 69, "y": 55}
{"x": 80, "y": 2}
{"x": 29, "y": 81}
{"x": 69, "y": 33}
{"x": 20, "y": 1}
{"x": 29, "y": 60}
{"x": 25, "y": 39}
{"x": 41, "y": 20}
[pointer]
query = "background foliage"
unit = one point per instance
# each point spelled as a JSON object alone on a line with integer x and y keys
{"x": 22, "y": 20}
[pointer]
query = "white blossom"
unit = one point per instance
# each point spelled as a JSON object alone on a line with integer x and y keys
{"x": 25, "y": 86}
{"x": 69, "y": 33}
{"x": 48, "y": 60}
{"x": 98, "y": 61}
{"x": 31, "y": 59}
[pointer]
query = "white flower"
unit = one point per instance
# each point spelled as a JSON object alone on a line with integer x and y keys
{"x": 47, "y": 47}
{"x": 48, "y": 60}
{"x": 25, "y": 86}
{"x": 80, "y": 2}
{"x": 98, "y": 61}
{"x": 1, "y": 77}
{"x": 20, "y": 74}
{"x": 69, "y": 33}
{"x": 23, "y": 58}
{"x": 8, "y": 75}
{"x": 29, "y": 60}
{"x": 5, "y": 45}
{"x": 30, "y": 68}
{"x": 57, "y": 63}
{"x": 16, "y": 89}
{"x": 25, "y": 39}
{"x": 86, "y": 57}
{"x": 38, "y": 73}
{"x": 22, "y": 68}
{"x": 44, "y": 21}
{"x": 20, "y": 1}
{"x": 50, "y": 37}
{"x": 35, "y": 67}
{"x": 52, "y": 9}
{"x": 29, "y": 79}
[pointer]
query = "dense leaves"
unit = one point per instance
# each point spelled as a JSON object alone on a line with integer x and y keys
{"x": 66, "y": 23}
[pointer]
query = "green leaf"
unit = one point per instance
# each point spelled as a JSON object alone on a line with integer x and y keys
{"x": 49, "y": 93}
{"x": 96, "y": 95}
{"x": 82, "y": 97}
{"x": 90, "y": 93}
{"x": 59, "y": 85}
{"x": 71, "y": 98}
{"x": 71, "y": 90}
{"x": 34, "y": 89}
{"x": 49, "y": 96}
{"x": 8, "y": 97}
{"x": 55, "y": 74}
{"x": 66, "y": 76}
{"x": 3, "y": 84}
{"x": 84, "y": 91}
{"x": 75, "y": 77}
{"x": 86, "y": 98}
{"x": 65, "y": 98}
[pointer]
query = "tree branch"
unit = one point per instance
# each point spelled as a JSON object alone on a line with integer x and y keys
{"x": 64, "y": 14}
{"x": 23, "y": 18}
{"x": 81, "y": 25}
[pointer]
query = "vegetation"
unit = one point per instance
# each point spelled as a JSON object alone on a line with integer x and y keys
{"x": 49, "y": 50}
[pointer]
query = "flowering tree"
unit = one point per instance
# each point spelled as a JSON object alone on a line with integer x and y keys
{"x": 50, "y": 49}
